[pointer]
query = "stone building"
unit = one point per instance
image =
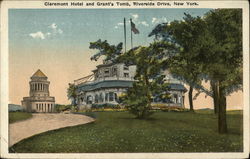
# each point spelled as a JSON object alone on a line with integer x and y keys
{"x": 39, "y": 99}
{"x": 110, "y": 80}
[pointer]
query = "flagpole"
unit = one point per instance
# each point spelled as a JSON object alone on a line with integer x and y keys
{"x": 131, "y": 33}
{"x": 125, "y": 43}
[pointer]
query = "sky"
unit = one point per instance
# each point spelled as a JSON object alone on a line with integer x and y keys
{"x": 57, "y": 42}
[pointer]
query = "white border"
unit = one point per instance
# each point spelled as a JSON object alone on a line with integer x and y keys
{"x": 5, "y": 5}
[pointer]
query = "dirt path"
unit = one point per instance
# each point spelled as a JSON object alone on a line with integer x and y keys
{"x": 43, "y": 122}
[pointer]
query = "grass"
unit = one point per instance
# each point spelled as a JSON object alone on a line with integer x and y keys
{"x": 18, "y": 116}
{"x": 120, "y": 132}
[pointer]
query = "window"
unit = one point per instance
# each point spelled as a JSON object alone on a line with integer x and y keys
{"x": 100, "y": 98}
{"x": 175, "y": 98}
{"x": 114, "y": 72}
{"x": 111, "y": 96}
{"x": 106, "y": 72}
{"x": 96, "y": 98}
{"x": 89, "y": 100}
{"x": 126, "y": 75}
{"x": 116, "y": 98}
{"x": 125, "y": 67}
{"x": 106, "y": 96}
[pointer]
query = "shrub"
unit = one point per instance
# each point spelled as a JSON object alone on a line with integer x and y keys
{"x": 105, "y": 106}
{"x": 173, "y": 109}
{"x": 60, "y": 108}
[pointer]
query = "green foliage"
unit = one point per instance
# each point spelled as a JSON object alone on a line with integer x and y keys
{"x": 105, "y": 106}
{"x": 105, "y": 49}
{"x": 59, "y": 108}
{"x": 18, "y": 116}
{"x": 149, "y": 82}
{"x": 224, "y": 59}
{"x": 118, "y": 132}
{"x": 184, "y": 37}
{"x": 207, "y": 48}
{"x": 72, "y": 93}
{"x": 149, "y": 62}
{"x": 166, "y": 108}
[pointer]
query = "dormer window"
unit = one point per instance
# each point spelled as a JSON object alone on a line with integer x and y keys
{"x": 106, "y": 72}
{"x": 126, "y": 75}
{"x": 125, "y": 67}
{"x": 114, "y": 71}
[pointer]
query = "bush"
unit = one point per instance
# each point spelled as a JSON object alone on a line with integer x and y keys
{"x": 165, "y": 108}
{"x": 59, "y": 108}
{"x": 105, "y": 106}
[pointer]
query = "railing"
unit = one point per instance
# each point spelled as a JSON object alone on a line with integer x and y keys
{"x": 174, "y": 81}
{"x": 84, "y": 79}
{"x": 106, "y": 79}
{"x": 89, "y": 79}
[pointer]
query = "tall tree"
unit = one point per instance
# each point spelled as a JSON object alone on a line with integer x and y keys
{"x": 149, "y": 81}
{"x": 184, "y": 36}
{"x": 223, "y": 61}
{"x": 214, "y": 46}
{"x": 72, "y": 93}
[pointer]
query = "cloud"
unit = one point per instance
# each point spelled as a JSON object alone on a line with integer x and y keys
{"x": 37, "y": 35}
{"x": 158, "y": 20}
{"x": 154, "y": 20}
{"x": 53, "y": 26}
{"x": 120, "y": 24}
{"x": 135, "y": 16}
{"x": 116, "y": 27}
{"x": 53, "y": 31}
{"x": 144, "y": 23}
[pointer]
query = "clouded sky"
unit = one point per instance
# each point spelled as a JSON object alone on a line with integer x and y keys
{"x": 57, "y": 42}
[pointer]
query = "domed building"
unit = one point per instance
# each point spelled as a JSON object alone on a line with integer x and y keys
{"x": 39, "y": 99}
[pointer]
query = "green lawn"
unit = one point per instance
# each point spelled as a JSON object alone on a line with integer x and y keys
{"x": 18, "y": 116}
{"x": 120, "y": 132}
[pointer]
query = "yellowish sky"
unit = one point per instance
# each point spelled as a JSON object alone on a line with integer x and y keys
{"x": 64, "y": 68}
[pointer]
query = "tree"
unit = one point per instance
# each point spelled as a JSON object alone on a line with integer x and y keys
{"x": 214, "y": 44}
{"x": 111, "y": 52}
{"x": 72, "y": 93}
{"x": 223, "y": 61}
{"x": 149, "y": 81}
{"x": 184, "y": 36}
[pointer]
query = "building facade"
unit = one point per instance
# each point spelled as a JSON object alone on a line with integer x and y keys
{"x": 109, "y": 81}
{"x": 39, "y": 99}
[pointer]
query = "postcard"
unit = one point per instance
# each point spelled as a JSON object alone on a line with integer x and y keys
{"x": 124, "y": 79}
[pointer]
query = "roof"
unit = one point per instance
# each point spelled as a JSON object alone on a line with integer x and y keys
{"x": 178, "y": 87}
{"x": 120, "y": 84}
{"x": 39, "y": 73}
{"x": 106, "y": 84}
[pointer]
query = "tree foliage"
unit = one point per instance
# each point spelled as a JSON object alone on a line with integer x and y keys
{"x": 150, "y": 83}
{"x": 210, "y": 48}
{"x": 184, "y": 36}
{"x": 72, "y": 93}
{"x": 111, "y": 52}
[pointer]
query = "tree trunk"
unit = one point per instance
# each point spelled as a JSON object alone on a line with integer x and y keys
{"x": 215, "y": 96}
{"x": 190, "y": 97}
{"x": 222, "y": 116}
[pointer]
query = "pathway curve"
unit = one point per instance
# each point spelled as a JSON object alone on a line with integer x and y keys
{"x": 43, "y": 122}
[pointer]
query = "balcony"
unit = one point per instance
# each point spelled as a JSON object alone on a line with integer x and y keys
{"x": 80, "y": 82}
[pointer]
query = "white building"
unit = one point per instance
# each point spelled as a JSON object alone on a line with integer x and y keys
{"x": 110, "y": 80}
{"x": 39, "y": 99}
